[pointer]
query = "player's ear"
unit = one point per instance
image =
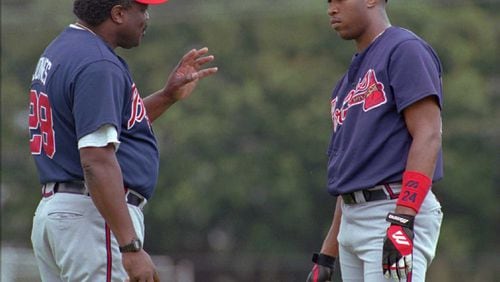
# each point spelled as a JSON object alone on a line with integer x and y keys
{"x": 372, "y": 3}
{"x": 117, "y": 14}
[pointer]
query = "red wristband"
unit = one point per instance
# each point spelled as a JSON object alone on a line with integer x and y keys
{"x": 415, "y": 188}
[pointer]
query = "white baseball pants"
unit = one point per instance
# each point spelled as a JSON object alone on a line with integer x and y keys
{"x": 72, "y": 242}
{"x": 362, "y": 232}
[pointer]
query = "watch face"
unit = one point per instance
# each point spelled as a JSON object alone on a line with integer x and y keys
{"x": 137, "y": 244}
{"x": 133, "y": 246}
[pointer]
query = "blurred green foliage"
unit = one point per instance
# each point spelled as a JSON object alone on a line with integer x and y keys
{"x": 243, "y": 159}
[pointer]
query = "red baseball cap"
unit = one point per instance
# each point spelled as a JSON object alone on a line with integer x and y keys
{"x": 151, "y": 2}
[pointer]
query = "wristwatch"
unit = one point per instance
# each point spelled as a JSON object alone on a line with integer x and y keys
{"x": 134, "y": 246}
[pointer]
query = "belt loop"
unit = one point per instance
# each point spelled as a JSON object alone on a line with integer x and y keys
{"x": 142, "y": 204}
{"x": 390, "y": 192}
{"x": 48, "y": 189}
{"x": 348, "y": 198}
{"x": 359, "y": 197}
{"x": 87, "y": 191}
{"x": 126, "y": 194}
{"x": 143, "y": 200}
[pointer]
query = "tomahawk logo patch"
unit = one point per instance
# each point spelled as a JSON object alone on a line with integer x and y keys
{"x": 369, "y": 93}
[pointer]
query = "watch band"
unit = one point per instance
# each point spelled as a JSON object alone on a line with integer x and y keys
{"x": 134, "y": 246}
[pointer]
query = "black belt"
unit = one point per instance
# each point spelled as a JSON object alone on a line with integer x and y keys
{"x": 78, "y": 187}
{"x": 378, "y": 193}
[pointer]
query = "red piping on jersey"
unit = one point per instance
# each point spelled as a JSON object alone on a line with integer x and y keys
{"x": 109, "y": 257}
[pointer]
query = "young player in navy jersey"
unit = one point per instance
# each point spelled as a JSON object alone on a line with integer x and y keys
{"x": 384, "y": 152}
{"x": 92, "y": 140}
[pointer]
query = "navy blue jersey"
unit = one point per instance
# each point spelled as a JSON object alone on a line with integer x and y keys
{"x": 370, "y": 141}
{"x": 79, "y": 85}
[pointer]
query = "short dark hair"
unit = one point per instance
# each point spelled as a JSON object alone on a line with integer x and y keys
{"x": 95, "y": 12}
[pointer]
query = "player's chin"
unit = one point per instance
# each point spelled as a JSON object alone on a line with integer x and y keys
{"x": 132, "y": 43}
{"x": 129, "y": 46}
{"x": 344, "y": 34}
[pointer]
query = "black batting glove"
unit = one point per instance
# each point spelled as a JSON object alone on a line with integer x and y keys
{"x": 322, "y": 270}
{"x": 397, "y": 253}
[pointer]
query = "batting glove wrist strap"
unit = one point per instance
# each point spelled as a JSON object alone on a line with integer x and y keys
{"x": 404, "y": 220}
{"x": 324, "y": 260}
{"x": 323, "y": 268}
{"x": 415, "y": 188}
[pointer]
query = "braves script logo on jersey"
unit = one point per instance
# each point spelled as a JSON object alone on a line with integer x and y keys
{"x": 138, "y": 111}
{"x": 369, "y": 93}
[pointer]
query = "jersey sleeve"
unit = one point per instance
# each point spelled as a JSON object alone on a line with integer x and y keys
{"x": 414, "y": 73}
{"x": 99, "y": 92}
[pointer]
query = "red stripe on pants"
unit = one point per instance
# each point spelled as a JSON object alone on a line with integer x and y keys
{"x": 109, "y": 257}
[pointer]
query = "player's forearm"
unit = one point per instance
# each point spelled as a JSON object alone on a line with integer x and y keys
{"x": 157, "y": 103}
{"x": 423, "y": 120}
{"x": 330, "y": 244}
{"x": 104, "y": 180}
{"x": 423, "y": 153}
{"x": 422, "y": 158}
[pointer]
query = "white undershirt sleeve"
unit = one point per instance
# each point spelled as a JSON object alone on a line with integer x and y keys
{"x": 100, "y": 138}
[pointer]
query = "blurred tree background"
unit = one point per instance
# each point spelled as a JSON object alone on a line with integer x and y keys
{"x": 242, "y": 191}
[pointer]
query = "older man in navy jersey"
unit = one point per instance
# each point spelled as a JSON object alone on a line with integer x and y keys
{"x": 92, "y": 140}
